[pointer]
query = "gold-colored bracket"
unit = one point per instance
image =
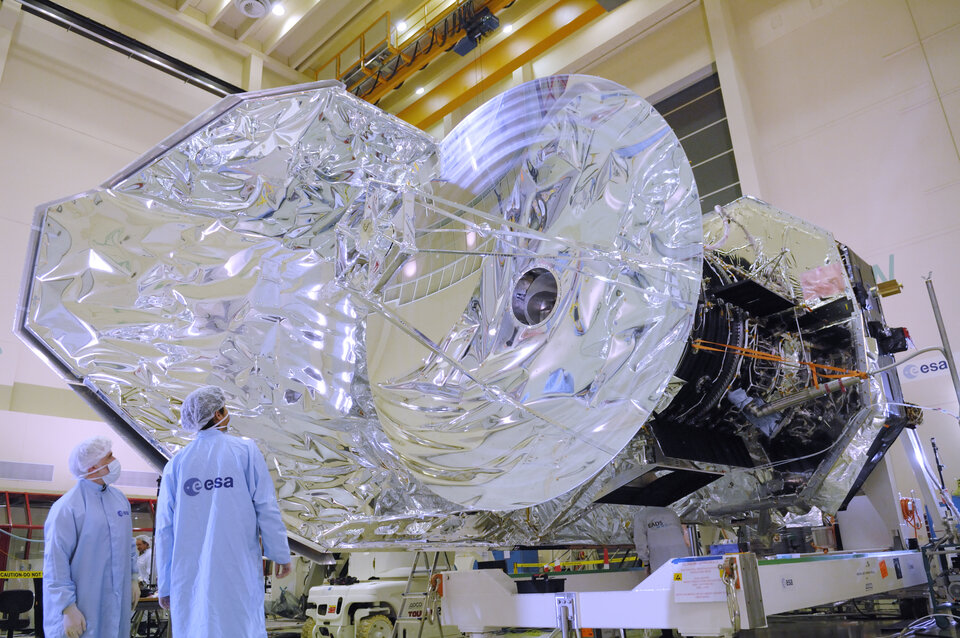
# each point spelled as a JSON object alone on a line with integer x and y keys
{"x": 890, "y": 287}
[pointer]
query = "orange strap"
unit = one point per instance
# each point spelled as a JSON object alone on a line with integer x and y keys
{"x": 828, "y": 372}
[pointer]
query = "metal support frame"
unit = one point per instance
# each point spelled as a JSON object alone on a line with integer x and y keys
{"x": 30, "y": 527}
{"x": 4, "y": 539}
{"x": 944, "y": 339}
{"x": 417, "y": 607}
{"x": 500, "y": 60}
{"x": 881, "y": 490}
{"x": 943, "y": 581}
{"x": 702, "y": 596}
{"x": 931, "y": 492}
{"x": 566, "y": 606}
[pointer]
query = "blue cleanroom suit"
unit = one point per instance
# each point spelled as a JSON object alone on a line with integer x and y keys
{"x": 89, "y": 558}
{"x": 216, "y": 504}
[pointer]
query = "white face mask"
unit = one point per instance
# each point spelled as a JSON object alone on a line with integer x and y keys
{"x": 217, "y": 424}
{"x": 113, "y": 472}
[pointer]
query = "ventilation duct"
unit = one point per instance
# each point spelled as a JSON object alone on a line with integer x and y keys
{"x": 253, "y": 8}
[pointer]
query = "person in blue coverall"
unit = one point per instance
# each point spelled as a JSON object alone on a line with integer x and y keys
{"x": 216, "y": 505}
{"x": 89, "y": 558}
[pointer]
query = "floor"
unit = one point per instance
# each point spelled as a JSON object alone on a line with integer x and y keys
{"x": 779, "y": 628}
{"x": 842, "y": 628}
{"x": 283, "y": 628}
{"x": 793, "y": 627}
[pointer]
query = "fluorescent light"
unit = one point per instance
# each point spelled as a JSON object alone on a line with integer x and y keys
{"x": 507, "y": 29}
{"x": 278, "y": 9}
{"x": 401, "y": 26}
{"x": 419, "y": 90}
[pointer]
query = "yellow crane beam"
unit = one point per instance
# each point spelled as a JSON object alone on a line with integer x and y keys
{"x": 523, "y": 45}
{"x": 413, "y": 66}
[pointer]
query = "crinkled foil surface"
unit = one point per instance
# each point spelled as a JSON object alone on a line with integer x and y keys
{"x": 450, "y": 342}
{"x": 757, "y": 241}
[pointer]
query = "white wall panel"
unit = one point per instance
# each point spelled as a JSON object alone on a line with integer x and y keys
{"x": 72, "y": 113}
{"x": 33, "y": 438}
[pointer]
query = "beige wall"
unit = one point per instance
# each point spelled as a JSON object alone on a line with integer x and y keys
{"x": 649, "y": 61}
{"x": 857, "y": 109}
{"x": 845, "y": 113}
{"x": 72, "y": 113}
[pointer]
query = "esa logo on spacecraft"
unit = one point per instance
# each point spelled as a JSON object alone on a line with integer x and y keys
{"x": 193, "y": 486}
{"x": 913, "y": 371}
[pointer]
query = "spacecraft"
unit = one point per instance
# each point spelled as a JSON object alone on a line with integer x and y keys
{"x": 511, "y": 336}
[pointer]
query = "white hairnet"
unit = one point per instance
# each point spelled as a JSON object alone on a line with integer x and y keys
{"x": 199, "y": 407}
{"x": 87, "y": 453}
{"x": 144, "y": 538}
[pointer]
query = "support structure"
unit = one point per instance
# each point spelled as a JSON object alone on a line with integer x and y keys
{"x": 944, "y": 518}
{"x": 735, "y": 96}
{"x": 702, "y": 596}
{"x": 944, "y": 339}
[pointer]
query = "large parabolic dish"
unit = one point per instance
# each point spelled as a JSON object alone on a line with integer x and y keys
{"x": 554, "y": 281}
{"x": 457, "y": 341}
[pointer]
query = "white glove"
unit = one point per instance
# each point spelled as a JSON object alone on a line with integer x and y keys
{"x": 74, "y": 623}
{"x": 283, "y": 570}
{"x": 135, "y": 592}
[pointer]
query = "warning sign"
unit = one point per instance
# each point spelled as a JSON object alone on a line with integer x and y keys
{"x": 21, "y": 574}
{"x": 699, "y": 582}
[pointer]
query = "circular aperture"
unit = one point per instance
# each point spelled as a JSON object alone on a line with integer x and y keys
{"x": 575, "y": 310}
{"x": 534, "y": 296}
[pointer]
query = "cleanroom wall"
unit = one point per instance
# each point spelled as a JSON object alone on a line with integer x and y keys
{"x": 72, "y": 113}
{"x": 857, "y": 123}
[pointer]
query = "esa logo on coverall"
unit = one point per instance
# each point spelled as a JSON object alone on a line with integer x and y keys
{"x": 193, "y": 486}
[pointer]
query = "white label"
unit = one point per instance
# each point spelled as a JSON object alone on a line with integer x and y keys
{"x": 868, "y": 575}
{"x": 787, "y": 582}
{"x": 699, "y": 582}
